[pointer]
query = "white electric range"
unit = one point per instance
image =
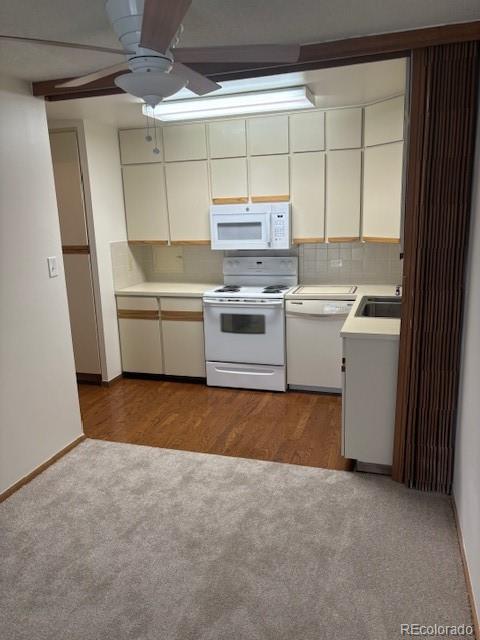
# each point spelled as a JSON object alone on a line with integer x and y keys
{"x": 245, "y": 323}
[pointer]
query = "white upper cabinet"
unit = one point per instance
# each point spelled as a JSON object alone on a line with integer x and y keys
{"x": 308, "y": 197}
{"x": 307, "y": 131}
{"x": 344, "y": 128}
{"x": 68, "y": 187}
{"x": 382, "y": 192}
{"x": 344, "y": 174}
{"x": 135, "y": 149}
{"x": 227, "y": 139}
{"x": 188, "y": 202}
{"x": 269, "y": 176}
{"x": 384, "y": 121}
{"x": 229, "y": 178}
{"x": 185, "y": 142}
{"x": 267, "y": 135}
{"x": 145, "y": 202}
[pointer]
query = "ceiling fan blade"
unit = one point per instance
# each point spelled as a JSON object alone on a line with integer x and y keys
{"x": 201, "y": 85}
{"x": 71, "y": 45}
{"x": 244, "y": 53}
{"x": 161, "y": 20}
{"x": 96, "y": 75}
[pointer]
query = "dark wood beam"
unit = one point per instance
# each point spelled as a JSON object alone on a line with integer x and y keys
{"x": 312, "y": 56}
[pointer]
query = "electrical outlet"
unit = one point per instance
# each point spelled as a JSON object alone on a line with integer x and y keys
{"x": 336, "y": 263}
{"x": 52, "y": 267}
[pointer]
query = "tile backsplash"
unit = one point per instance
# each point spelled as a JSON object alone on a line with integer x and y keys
{"x": 356, "y": 263}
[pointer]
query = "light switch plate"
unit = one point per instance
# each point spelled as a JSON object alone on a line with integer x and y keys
{"x": 52, "y": 267}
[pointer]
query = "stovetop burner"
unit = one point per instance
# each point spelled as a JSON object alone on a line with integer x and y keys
{"x": 275, "y": 288}
{"x": 228, "y": 288}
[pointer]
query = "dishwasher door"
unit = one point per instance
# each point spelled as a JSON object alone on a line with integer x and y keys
{"x": 314, "y": 345}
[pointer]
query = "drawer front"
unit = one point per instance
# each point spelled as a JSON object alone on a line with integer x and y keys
{"x": 181, "y": 304}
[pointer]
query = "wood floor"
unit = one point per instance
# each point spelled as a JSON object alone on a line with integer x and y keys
{"x": 294, "y": 427}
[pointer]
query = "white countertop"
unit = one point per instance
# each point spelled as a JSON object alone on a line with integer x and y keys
{"x": 167, "y": 289}
{"x": 371, "y": 327}
{"x": 386, "y": 328}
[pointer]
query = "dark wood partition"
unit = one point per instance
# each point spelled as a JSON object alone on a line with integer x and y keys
{"x": 444, "y": 93}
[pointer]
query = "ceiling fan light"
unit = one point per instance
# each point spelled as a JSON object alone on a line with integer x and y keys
{"x": 152, "y": 87}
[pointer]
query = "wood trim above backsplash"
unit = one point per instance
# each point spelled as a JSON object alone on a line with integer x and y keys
{"x": 284, "y": 198}
{"x": 239, "y": 200}
{"x": 308, "y": 240}
{"x": 190, "y": 242}
{"x": 381, "y": 240}
{"x": 345, "y": 239}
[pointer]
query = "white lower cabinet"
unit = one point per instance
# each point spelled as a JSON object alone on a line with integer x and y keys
{"x": 369, "y": 399}
{"x": 140, "y": 339}
{"x": 182, "y": 336}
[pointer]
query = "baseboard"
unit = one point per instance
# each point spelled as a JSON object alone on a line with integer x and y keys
{"x": 26, "y": 479}
{"x": 466, "y": 571}
{"x": 162, "y": 377}
{"x": 89, "y": 378}
{"x": 110, "y": 383}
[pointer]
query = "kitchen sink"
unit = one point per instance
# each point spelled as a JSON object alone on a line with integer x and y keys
{"x": 379, "y": 307}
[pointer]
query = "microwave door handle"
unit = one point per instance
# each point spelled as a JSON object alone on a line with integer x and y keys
{"x": 268, "y": 233}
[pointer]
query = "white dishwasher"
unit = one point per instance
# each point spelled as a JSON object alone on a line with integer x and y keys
{"x": 314, "y": 345}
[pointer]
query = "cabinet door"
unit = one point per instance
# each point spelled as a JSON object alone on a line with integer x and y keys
{"x": 382, "y": 192}
{"x": 267, "y": 135}
{"x": 308, "y": 197}
{"x": 135, "y": 149}
{"x": 344, "y": 128}
{"x": 145, "y": 202}
{"x": 140, "y": 340}
{"x": 182, "y": 333}
{"x": 184, "y": 142}
{"x": 384, "y": 121}
{"x": 229, "y": 179}
{"x": 344, "y": 171}
{"x": 307, "y": 131}
{"x": 269, "y": 178}
{"x": 227, "y": 139}
{"x": 68, "y": 187}
{"x": 188, "y": 202}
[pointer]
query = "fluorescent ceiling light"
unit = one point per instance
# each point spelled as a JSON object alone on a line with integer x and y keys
{"x": 234, "y": 104}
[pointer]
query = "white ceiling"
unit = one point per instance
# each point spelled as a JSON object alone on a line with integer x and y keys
{"x": 340, "y": 86}
{"x": 208, "y": 22}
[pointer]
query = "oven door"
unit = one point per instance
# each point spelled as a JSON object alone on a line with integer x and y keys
{"x": 243, "y": 331}
{"x": 240, "y": 231}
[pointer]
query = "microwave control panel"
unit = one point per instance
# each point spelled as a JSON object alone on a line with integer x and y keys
{"x": 280, "y": 231}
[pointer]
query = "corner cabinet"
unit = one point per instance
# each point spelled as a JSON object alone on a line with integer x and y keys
{"x": 182, "y": 336}
{"x": 140, "y": 338}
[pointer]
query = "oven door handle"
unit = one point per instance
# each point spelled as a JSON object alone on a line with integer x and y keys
{"x": 232, "y": 305}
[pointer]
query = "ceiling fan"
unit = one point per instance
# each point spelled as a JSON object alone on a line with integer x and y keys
{"x": 149, "y": 31}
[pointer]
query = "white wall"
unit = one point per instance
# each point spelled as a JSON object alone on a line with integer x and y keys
{"x": 103, "y": 184}
{"x": 39, "y": 410}
{"x": 467, "y": 466}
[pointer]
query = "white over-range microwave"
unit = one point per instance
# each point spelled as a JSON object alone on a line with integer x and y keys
{"x": 250, "y": 226}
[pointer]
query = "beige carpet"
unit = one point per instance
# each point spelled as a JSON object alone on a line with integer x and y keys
{"x": 119, "y": 541}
